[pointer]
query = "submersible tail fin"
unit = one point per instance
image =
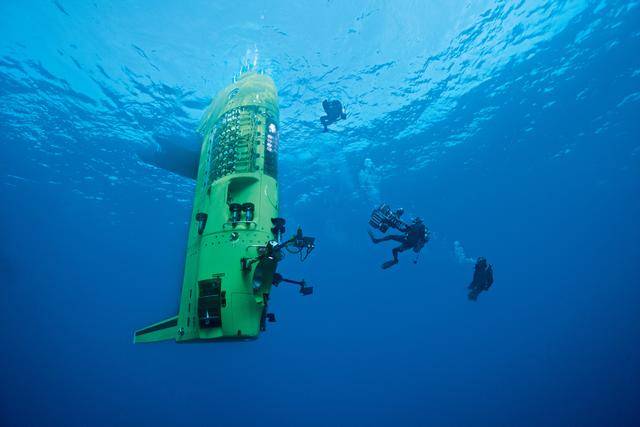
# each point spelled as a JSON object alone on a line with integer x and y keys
{"x": 161, "y": 331}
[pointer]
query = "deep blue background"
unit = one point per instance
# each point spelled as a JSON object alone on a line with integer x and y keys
{"x": 545, "y": 185}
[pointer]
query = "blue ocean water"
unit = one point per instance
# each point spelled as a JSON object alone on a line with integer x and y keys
{"x": 512, "y": 127}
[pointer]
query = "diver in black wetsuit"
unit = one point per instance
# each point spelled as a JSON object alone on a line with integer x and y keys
{"x": 482, "y": 279}
{"x": 334, "y": 111}
{"x": 415, "y": 237}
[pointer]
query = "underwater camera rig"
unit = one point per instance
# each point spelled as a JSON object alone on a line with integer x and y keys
{"x": 299, "y": 244}
{"x": 273, "y": 251}
{"x": 383, "y": 218}
{"x": 304, "y": 289}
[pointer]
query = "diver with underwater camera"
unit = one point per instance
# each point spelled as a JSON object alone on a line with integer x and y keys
{"x": 414, "y": 235}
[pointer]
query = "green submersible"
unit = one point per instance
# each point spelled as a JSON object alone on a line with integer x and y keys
{"x": 235, "y": 236}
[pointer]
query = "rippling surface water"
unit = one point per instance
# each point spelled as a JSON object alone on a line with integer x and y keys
{"x": 512, "y": 127}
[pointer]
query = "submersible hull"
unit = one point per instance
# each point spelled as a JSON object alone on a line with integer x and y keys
{"x": 234, "y": 212}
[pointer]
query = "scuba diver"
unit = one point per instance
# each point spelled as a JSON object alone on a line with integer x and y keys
{"x": 334, "y": 111}
{"x": 482, "y": 279}
{"x": 414, "y": 235}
